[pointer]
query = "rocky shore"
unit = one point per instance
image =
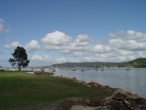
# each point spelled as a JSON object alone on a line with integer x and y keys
{"x": 120, "y": 99}
{"x": 42, "y": 73}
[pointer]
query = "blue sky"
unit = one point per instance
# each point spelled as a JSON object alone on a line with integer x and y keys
{"x": 56, "y": 31}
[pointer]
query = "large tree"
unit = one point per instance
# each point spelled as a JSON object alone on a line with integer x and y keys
{"x": 20, "y": 58}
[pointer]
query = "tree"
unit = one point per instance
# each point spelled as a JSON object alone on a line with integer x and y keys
{"x": 20, "y": 58}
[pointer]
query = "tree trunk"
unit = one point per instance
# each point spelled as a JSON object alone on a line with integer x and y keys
{"x": 19, "y": 67}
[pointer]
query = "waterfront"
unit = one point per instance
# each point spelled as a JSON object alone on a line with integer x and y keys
{"x": 133, "y": 80}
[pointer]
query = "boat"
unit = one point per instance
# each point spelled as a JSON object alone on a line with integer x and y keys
{"x": 74, "y": 69}
{"x": 53, "y": 69}
{"x": 102, "y": 69}
{"x": 82, "y": 70}
{"x": 96, "y": 69}
{"x": 128, "y": 67}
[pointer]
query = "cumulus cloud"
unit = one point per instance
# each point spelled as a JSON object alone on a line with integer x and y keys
{"x": 77, "y": 54}
{"x": 32, "y": 46}
{"x": 128, "y": 58}
{"x": 41, "y": 59}
{"x": 58, "y": 41}
{"x": 61, "y": 42}
{"x": 130, "y": 40}
{"x": 45, "y": 58}
{"x": 2, "y": 27}
{"x": 102, "y": 48}
{"x": 100, "y": 57}
{"x": 141, "y": 54}
{"x": 12, "y": 45}
{"x": 48, "y": 60}
{"x": 124, "y": 52}
{"x": 82, "y": 40}
{"x": 75, "y": 48}
{"x": 60, "y": 60}
{"x": 111, "y": 35}
{"x": 119, "y": 46}
{"x": 56, "y": 38}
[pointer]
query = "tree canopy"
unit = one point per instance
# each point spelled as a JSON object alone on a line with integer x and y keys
{"x": 20, "y": 58}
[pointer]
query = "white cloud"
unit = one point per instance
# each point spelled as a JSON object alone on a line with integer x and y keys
{"x": 118, "y": 46}
{"x": 56, "y": 38}
{"x": 40, "y": 60}
{"x": 48, "y": 60}
{"x": 12, "y": 45}
{"x": 45, "y": 58}
{"x": 102, "y": 48}
{"x": 32, "y": 46}
{"x": 61, "y": 42}
{"x": 2, "y": 27}
{"x": 130, "y": 40}
{"x": 107, "y": 55}
{"x": 121, "y": 46}
{"x": 141, "y": 54}
{"x": 60, "y": 60}
{"x": 82, "y": 40}
{"x": 124, "y": 53}
{"x": 77, "y": 54}
{"x": 111, "y": 35}
{"x": 130, "y": 31}
{"x": 100, "y": 57}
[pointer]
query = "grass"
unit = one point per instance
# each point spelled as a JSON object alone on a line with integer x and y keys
{"x": 22, "y": 91}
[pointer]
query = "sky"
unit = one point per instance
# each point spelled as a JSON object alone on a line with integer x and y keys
{"x": 58, "y": 31}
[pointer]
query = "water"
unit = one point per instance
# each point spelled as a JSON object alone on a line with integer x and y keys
{"x": 133, "y": 81}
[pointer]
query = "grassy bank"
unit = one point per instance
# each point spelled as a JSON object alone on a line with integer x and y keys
{"x": 22, "y": 91}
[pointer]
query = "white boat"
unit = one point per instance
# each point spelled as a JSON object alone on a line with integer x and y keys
{"x": 102, "y": 69}
{"x": 53, "y": 70}
{"x": 128, "y": 68}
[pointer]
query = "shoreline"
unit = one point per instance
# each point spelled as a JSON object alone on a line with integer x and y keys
{"x": 86, "y": 83}
{"x": 89, "y": 84}
{"x": 120, "y": 98}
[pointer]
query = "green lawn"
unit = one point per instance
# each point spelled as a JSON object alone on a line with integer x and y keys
{"x": 19, "y": 90}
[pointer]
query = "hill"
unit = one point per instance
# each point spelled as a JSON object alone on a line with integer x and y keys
{"x": 137, "y": 63}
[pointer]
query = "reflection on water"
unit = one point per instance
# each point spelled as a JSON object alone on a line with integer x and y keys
{"x": 133, "y": 80}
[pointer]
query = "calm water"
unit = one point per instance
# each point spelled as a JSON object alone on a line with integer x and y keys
{"x": 133, "y": 80}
